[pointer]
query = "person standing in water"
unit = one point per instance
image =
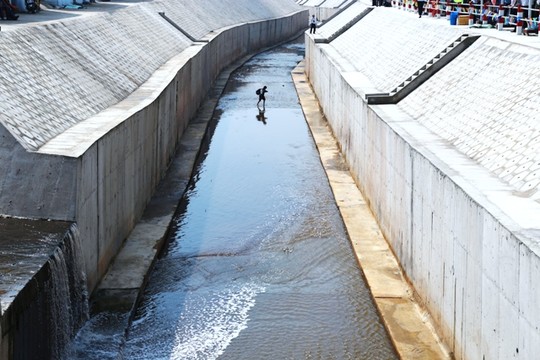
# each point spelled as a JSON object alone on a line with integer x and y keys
{"x": 261, "y": 93}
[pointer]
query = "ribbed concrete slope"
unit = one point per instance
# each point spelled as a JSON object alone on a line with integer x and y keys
{"x": 56, "y": 75}
{"x": 486, "y": 104}
{"x": 388, "y": 47}
{"x": 199, "y": 18}
{"x": 312, "y": 3}
{"x": 335, "y": 3}
{"x": 326, "y": 3}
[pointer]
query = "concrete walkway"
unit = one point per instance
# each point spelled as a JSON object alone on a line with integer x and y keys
{"x": 407, "y": 322}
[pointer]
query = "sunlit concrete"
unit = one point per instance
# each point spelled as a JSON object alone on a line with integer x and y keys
{"x": 449, "y": 172}
{"x": 93, "y": 118}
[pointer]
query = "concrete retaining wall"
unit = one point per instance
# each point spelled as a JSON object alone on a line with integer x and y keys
{"x": 471, "y": 264}
{"x": 51, "y": 181}
{"x": 321, "y": 13}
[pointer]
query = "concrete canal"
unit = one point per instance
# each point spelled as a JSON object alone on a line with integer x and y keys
{"x": 258, "y": 264}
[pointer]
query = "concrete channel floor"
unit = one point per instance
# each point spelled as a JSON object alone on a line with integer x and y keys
{"x": 408, "y": 325}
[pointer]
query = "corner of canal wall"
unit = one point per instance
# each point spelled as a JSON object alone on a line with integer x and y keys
{"x": 471, "y": 259}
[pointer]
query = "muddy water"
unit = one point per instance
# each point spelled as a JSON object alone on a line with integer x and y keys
{"x": 258, "y": 265}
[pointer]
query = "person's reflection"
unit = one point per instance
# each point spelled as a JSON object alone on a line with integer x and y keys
{"x": 261, "y": 116}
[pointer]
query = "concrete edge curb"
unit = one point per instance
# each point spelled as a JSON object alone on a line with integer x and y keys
{"x": 409, "y": 326}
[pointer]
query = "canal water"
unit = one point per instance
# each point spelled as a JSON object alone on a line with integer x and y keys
{"x": 258, "y": 264}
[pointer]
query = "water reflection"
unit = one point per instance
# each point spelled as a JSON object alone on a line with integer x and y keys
{"x": 260, "y": 117}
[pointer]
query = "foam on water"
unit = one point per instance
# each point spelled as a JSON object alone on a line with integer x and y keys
{"x": 215, "y": 323}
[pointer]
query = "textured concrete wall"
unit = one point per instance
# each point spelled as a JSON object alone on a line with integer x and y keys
{"x": 322, "y": 13}
{"x": 51, "y": 181}
{"x": 470, "y": 259}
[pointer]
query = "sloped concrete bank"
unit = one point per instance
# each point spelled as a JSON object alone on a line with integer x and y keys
{"x": 114, "y": 93}
{"x": 465, "y": 231}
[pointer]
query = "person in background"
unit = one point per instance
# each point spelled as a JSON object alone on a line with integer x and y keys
{"x": 421, "y": 4}
{"x": 6, "y": 11}
{"x": 525, "y": 5}
{"x": 312, "y": 24}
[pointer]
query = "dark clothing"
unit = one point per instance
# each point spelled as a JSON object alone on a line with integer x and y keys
{"x": 3, "y": 10}
{"x": 261, "y": 96}
{"x": 421, "y": 8}
{"x": 6, "y": 11}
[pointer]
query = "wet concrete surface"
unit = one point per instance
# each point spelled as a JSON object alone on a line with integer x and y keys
{"x": 42, "y": 287}
{"x": 259, "y": 264}
{"x": 25, "y": 246}
{"x": 114, "y": 300}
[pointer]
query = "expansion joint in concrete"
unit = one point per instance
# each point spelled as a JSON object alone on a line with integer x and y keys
{"x": 177, "y": 27}
{"x": 346, "y": 27}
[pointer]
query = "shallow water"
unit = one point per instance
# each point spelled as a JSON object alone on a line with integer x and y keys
{"x": 258, "y": 265}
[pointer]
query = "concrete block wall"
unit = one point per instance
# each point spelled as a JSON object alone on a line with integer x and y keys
{"x": 471, "y": 264}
